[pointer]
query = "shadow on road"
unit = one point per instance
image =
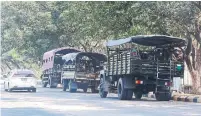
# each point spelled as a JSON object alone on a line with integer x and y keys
{"x": 80, "y": 92}
{"x": 20, "y": 92}
{"x": 133, "y": 99}
{"x": 29, "y": 111}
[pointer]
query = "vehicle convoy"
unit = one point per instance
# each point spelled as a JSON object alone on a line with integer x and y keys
{"x": 141, "y": 64}
{"x": 81, "y": 70}
{"x": 52, "y": 66}
{"x": 20, "y": 79}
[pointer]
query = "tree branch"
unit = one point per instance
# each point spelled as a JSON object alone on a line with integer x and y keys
{"x": 193, "y": 57}
{"x": 197, "y": 4}
{"x": 197, "y": 31}
{"x": 96, "y": 44}
{"x": 85, "y": 49}
{"x": 8, "y": 65}
{"x": 189, "y": 46}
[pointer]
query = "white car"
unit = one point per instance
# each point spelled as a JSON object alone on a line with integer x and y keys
{"x": 20, "y": 80}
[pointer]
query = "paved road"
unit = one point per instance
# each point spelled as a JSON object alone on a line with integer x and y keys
{"x": 54, "y": 102}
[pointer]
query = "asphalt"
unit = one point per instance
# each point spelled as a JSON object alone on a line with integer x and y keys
{"x": 54, "y": 102}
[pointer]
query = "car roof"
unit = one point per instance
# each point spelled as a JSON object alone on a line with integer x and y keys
{"x": 22, "y": 71}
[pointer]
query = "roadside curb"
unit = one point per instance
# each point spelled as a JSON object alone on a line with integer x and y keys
{"x": 185, "y": 98}
{"x": 180, "y": 97}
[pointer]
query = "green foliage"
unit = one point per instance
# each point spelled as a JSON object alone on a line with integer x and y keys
{"x": 32, "y": 28}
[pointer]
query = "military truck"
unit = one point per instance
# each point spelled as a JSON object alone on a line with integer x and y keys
{"x": 52, "y": 65}
{"x": 141, "y": 64}
{"x": 80, "y": 70}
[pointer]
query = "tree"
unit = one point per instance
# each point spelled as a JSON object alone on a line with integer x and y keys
{"x": 36, "y": 27}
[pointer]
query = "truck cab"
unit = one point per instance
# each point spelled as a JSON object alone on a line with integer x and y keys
{"x": 52, "y": 66}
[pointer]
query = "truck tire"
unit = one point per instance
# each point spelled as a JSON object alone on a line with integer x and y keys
{"x": 138, "y": 95}
{"x": 72, "y": 86}
{"x": 163, "y": 96}
{"x": 123, "y": 94}
{"x": 102, "y": 93}
{"x": 44, "y": 84}
{"x": 129, "y": 95}
{"x": 65, "y": 84}
{"x": 51, "y": 83}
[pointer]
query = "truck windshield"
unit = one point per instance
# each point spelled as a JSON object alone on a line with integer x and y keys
{"x": 69, "y": 68}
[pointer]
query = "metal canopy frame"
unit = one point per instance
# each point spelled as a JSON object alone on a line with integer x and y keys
{"x": 73, "y": 56}
{"x": 148, "y": 40}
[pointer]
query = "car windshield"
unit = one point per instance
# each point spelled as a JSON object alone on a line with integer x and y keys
{"x": 23, "y": 75}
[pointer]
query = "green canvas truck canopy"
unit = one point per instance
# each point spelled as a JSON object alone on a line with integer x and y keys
{"x": 148, "y": 40}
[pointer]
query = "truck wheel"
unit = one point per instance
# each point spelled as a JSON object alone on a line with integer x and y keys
{"x": 102, "y": 93}
{"x": 45, "y": 84}
{"x": 123, "y": 94}
{"x": 65, "y": 84}
{"x": 51, "y": 83}
{"x": 163, "y": 96}
{"x": 129, "y": 95}
{"x": 138, "y": 95}
{"x": 72, "y": 86}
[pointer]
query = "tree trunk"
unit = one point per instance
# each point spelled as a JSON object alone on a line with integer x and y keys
{"x": 193, "y": 62}
{"x": 198, "y": 69}
{"x": 193, "y": 54}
